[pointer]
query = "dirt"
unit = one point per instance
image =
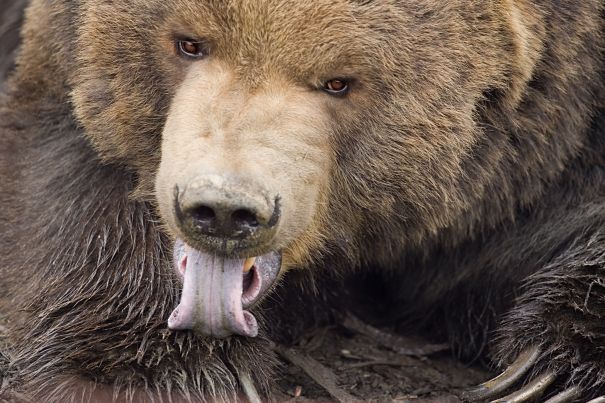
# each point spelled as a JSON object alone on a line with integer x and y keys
{"x": 370, "y": 371}
{"x": 350, "y": 361}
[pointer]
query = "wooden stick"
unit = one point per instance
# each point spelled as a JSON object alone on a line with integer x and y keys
{"x": 399, "y": 344}
{"x": 316, "y": 371}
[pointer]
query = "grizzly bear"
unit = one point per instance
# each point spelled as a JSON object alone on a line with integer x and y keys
{"x": 172, "y": 169}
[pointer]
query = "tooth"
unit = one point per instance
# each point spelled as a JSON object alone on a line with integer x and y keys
{"x": 248, "y": 264}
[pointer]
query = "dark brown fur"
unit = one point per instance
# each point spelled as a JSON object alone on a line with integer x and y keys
{"x": 11, "y": 16}
{"x": 470, "y": 167}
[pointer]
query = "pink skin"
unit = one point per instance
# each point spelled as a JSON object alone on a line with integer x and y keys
{"x": 213, "y": 298}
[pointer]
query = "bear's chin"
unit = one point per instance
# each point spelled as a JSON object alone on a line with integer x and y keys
{"x": 217, "y": 291}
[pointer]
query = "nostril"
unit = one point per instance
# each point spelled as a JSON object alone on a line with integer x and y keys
{"x": 214, "y": 209}
{"x": 203, "y": 214}
{"x": 244, "y": 217}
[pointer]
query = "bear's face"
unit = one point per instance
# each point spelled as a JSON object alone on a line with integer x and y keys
{"x": 281, "y": 131}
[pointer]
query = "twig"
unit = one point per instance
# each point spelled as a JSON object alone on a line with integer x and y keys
{"x": 399, "y": 344}
{"x": 316, "y": 371}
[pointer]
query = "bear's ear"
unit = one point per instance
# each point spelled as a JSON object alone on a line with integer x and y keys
{"x": 527, "y": 27}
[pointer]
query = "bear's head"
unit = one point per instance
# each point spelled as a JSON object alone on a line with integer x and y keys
{"x": 275, "y": 133}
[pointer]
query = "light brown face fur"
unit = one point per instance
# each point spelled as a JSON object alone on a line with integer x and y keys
{"x": 402, "y": 156}
{"x": 276, "y": 134}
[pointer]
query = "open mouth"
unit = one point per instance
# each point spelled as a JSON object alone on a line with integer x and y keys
{"x": 218, "y": 290}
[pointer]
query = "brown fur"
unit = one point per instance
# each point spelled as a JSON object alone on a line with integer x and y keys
{"x": 467, "y": 158}
{"x": 11, "y": 16}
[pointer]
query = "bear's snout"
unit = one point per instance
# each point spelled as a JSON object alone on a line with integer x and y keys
{"x": 226, "y": 214}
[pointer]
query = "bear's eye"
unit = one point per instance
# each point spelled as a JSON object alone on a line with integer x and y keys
{"x": 191, "y": 48}
{"x": 337, "y": 86}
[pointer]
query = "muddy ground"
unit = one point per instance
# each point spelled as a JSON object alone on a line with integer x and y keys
{"x": 348, "y": 360}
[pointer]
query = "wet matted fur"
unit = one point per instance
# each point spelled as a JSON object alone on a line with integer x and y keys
{"x": 467, "y": 165}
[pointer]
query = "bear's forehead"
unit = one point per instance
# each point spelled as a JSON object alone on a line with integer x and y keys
{"x": 294, "y": 36}
{"x": 307, "y": 41}
{"x": 273, "y": 32}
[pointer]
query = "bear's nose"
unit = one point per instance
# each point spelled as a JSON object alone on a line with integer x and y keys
{"x": 223, "y": 218}
{"x": 214, "y": 208}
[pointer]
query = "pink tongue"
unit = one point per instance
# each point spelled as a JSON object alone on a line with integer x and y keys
{"x": 211, "y": 302}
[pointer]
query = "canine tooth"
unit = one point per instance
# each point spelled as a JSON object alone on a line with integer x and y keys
{"x": 248, "y": 264}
